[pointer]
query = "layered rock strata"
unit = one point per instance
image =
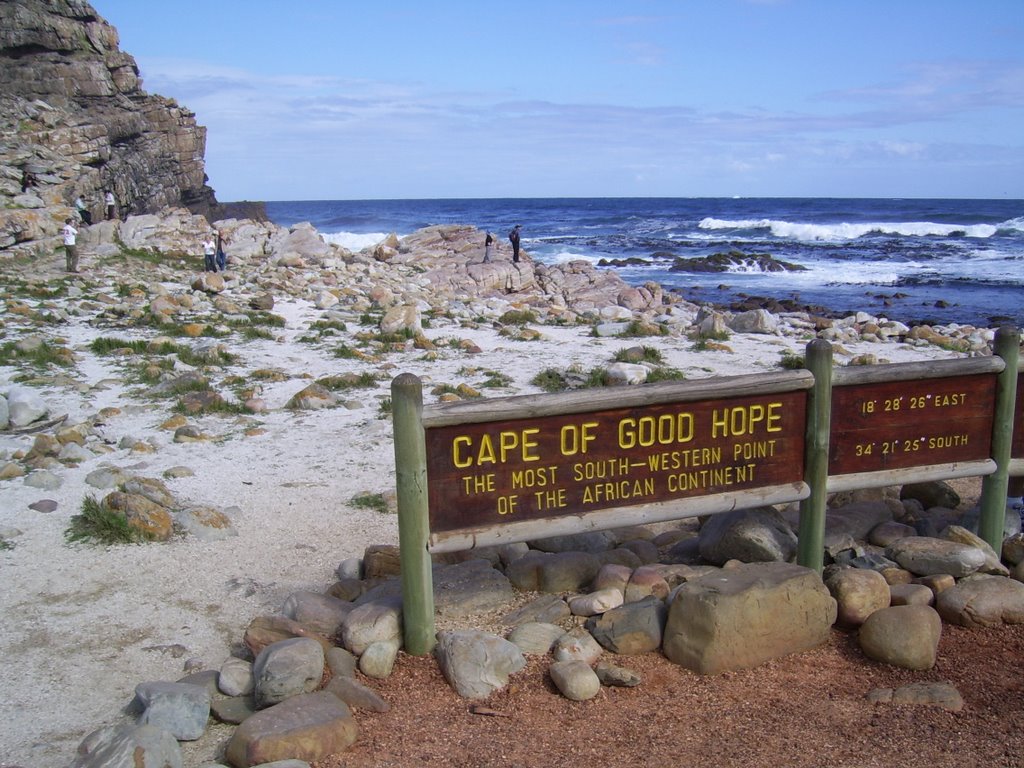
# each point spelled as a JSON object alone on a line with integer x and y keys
{"x": 76, "y": 122}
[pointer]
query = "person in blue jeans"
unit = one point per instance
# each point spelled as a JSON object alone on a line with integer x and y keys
{"x": 222, "y": 258}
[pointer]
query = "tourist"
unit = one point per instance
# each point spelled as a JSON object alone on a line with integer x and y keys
{"x": 222, "y": 258}
{"x": 83, "y": 211}
{"x": 111, "y": 203}
{"x": 488, "y": 242}
{"x": 513, "y": 237}
{"x": 70, "y": 249}
{"x": 209, "y": 253}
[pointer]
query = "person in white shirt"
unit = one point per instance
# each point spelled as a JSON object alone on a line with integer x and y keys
{"x": 71, "y": 250}
{"x": 209, "y": 252}
{"x": 111, "y": 203}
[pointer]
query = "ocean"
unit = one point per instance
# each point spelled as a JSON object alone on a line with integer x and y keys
{"x": 914, "y": 260}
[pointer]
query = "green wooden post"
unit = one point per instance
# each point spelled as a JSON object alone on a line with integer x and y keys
{"x": 993, "y": 487}
{"x": 811, "y": 545}
{"x": 413, "y": 514}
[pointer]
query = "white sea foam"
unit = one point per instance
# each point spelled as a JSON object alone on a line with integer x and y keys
{"x": 354, "y": 241}
{"x": 844, "y": 231}
{"x": 1017, "y": 224}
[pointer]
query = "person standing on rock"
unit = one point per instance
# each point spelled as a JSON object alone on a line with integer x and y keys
{"x": 513, "y": 237}
{"x": 222, "y": 258}
{"x": 83, "y": 211}
{"x": 209, "y": 253}
{"x": 70, "y": 248}
{"x": 488, "y": 242}
{"x": 111, "y": 203}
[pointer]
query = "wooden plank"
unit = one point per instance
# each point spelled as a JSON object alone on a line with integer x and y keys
{"x": 584, "y": 401}
{"x": 931, "y": 369}
{"x": 491, "y": 473}
{"x": 467, "y": 538}
{"x": 922, "y": 474}
{"x": 901, "y": 424}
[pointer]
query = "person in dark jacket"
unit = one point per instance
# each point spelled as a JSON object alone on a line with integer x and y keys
{"x": 513, "y": 237}
{"x": 488, "y": 242}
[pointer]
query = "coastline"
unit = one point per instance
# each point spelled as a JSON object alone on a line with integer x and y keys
{"x": 111, "y": 617}
{"x": 918, "y": 261}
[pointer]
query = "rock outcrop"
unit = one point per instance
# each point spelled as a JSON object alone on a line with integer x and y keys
{"x": 76, "y": 122}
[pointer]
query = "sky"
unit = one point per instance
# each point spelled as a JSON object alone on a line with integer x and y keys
{"x": 332, "y": 99}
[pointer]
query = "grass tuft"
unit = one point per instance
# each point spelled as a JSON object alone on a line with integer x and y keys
{"x": 374, "y": 501}
{"x": 98, "y": 524}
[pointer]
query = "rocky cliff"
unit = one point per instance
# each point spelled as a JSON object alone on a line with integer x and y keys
{"x": 74, "y": 120}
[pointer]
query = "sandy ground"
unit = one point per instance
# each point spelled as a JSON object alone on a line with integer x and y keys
{"x": 83, "y": 624}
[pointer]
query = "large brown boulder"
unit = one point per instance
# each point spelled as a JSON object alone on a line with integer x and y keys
{"x": 743, "y": 616}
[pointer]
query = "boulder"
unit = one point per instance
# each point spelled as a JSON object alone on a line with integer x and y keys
{"x": 321, "y": 613}
{"x": 744, "y": 616}
{"x": 129, "y": 746}
{"x": 982, "y": 601}
{"x": 925, "y": 556}
{"x": 536, "y": 637}
{"x": 558, "y": 572}
{"x": 285, "y": 669}
{"x": 476, "y": 663}
{"x": 368, "y": 623}
{"x": 934, "y": 493}
{"x": 630, "y": 629}
{"x": 904, "y": 635}
{"x": 307, "y": 727}
{"x": 575, "y": 680}
{"x": 858, "y": 593}
{"x": 747, "y": 535}
{"x": 178, "y": 708}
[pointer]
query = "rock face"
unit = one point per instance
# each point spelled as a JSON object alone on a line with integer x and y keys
{"x": 76, "y": 121}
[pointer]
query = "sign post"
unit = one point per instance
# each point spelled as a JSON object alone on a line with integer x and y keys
{"x": 413, "y": 516}
{"x": 811, "y": 537}
{"x": 993, "y": 487}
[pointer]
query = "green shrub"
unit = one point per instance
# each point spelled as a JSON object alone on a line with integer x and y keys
{"x": 41, "y": 356}
{"x": 649, "y": 355}
{"x": 101, "y": 525}
{"x": 495, "y": 380}
{"x": 792, "y": 361}
{"x": 345, "y": 352}
{"x": 518, "y": 317}
{"x": 249, "y": 333}
{"x": 105, "y": 345}
{"x": 550, "y": 380}
{"x": 374, "y": 501}
{"x": 637, "y": 329}
{"x": 348, "y": 381}
{"x": 665, "y": 373}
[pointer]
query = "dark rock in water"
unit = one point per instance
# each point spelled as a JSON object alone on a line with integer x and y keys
{"x": 777, "y": 306}
{"x": 723, "y": 262}
{"x": 632, "y": 261}
{"x": 941, "y": 304}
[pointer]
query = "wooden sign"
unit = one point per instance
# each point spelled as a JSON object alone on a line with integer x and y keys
{"x": 1017, "y": 446}
{"x": 483, "y": 474}
{"x": 901, "y": 424}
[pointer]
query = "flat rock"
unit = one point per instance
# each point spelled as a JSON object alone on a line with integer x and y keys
{"x": 307, "y": 727}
